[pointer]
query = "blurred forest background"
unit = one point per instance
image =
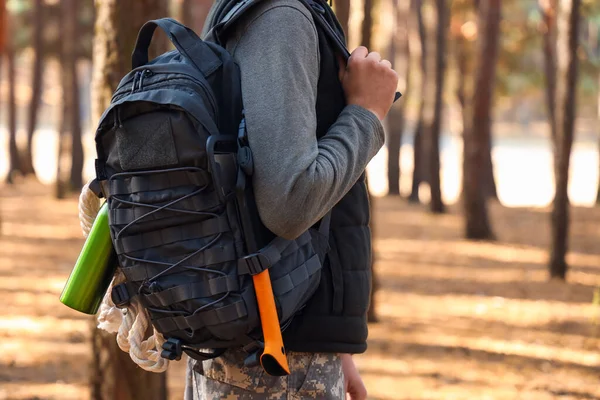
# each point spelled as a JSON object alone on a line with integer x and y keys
{"x": 486, "y": 198}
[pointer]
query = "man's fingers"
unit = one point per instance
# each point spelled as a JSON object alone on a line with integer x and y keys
{"x": 375, "y": 56}
{"x": 386, "y": 63}
{"x": 360, "y": 52}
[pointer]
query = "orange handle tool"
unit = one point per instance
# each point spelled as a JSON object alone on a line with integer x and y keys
{"x": 273, "y": 359}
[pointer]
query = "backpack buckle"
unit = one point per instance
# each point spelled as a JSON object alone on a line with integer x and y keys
{"x": 254, "y": 349}
{"x": 172, "y": 349}
{"x": 253, "y": 264}
{"x": 96, "y": 187}
{"x": 253, "y": 359}
{"x": 120, "y": 295}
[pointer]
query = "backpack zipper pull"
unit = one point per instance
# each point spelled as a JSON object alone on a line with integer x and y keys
{"x": 134, "y": 81}
{"x": 145, "y": 73}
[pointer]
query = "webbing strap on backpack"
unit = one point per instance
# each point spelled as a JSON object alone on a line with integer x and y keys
{"x": 271, "y": 254}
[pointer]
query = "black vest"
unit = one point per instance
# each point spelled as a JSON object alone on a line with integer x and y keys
{"x": 334, "y": 319}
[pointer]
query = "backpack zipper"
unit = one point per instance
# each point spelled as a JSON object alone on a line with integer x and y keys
{"x": 147, "y": 73}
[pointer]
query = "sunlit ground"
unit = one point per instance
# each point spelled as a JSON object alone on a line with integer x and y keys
{"x": 464, "y": 320}
{"x": 459, "y": 320}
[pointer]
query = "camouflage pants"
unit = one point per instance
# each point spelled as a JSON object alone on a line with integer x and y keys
{"x": 313, "y": 376}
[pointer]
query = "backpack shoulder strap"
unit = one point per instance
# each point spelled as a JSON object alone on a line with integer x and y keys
{"x": 231, "y": 12}
{"x": 226, "y": 14}
{"x": 320, "y": 14}
{"x": 318, "y": 11}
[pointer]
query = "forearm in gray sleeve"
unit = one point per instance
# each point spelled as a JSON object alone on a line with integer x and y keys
{"x": 297, "y": 178}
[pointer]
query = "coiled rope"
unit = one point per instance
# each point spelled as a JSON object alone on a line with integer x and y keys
{"x": 129, "y": 323}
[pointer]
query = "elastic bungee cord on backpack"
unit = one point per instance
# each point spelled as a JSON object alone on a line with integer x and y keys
{"x": 129, "y": 323}
{"x": 134, "y": 322}
{"x": 170, "y": 266}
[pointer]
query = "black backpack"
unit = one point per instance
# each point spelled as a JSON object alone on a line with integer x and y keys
{"x": 174, "y": 164}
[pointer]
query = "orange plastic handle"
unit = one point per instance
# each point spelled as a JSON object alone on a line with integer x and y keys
{"x": 273, "y": 359}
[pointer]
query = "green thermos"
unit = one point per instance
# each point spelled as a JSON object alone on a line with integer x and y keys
{"x": 93, "y": 270}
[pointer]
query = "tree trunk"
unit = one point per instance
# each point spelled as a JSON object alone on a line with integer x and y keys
{"x": 62, "y": 165}
{"x": 418, "y": 47}
{"x": 117, "y": 26}
{"x": 193, "y": 13}
{"x": 117, "y": 377}
{"x": 418, "y": 157}
{"x": 3, "y": 26}
{"x": 464, "y": 72}
{"x": 566, "y": 82}
{"x": 434, "y": 85}
{"x": 548, "y": 8}
{"x": 14, "y": 168}
{"x": 400, "y": 58}
{"x": 464, "y": 95}
{"x": 593, "y": 31}
{"x": 113, "y": 374}
{"x": 76, "y": 177}
{"x": 3, "y": 30}
{"x": 593, "y": 40}
{"x": 477, "y": 130}
{"x": 367, "y": 24}
{"x": 36, "y": 85}
{"x": 186, "y": 13}
{"x": 598, "y": 195}
{"x": 393, "y": 142}
{"x": 489, "y": 180}
{"x": 69, "y": 106}
{"x": 342, "y": 11}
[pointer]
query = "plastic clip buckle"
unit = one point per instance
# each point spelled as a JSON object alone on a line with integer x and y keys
{"x": 255, "y": 263}
{"x": 172, "y": 349}
{"x": 120, "y": 295}
{"x": 255, "y": 350}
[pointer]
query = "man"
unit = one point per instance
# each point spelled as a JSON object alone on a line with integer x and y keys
{"x": 312, "y": 130}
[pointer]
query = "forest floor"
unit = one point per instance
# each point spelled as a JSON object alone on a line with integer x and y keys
{"x": 458, "y": 319}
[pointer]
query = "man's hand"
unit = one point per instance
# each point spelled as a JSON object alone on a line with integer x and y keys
{"x": 369, "y": 81}
{"x": 353, "y": 384}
